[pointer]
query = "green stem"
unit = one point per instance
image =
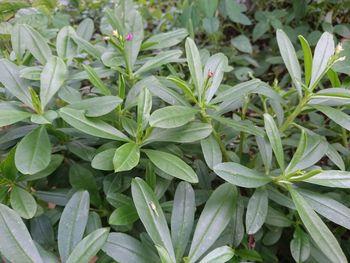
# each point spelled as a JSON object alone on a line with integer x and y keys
{"x": 295, "y": 113}
{"x": 216, "y": 135}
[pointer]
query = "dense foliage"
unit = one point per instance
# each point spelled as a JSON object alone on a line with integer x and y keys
{"x": 174, "y": 131}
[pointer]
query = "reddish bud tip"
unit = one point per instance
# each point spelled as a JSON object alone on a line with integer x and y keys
{"x": 129, "y": 37}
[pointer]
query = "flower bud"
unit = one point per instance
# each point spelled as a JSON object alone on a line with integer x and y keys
{"x": 129, "y": 37}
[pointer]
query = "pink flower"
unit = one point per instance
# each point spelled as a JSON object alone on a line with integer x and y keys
{"x": 129, "y": 37}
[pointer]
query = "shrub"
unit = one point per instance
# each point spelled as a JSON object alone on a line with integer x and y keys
{"x": 117, "y": 145}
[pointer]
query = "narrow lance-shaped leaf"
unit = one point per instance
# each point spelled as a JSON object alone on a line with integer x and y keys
{"x": 328, "y": 207}
{"x": 172, "y": 165}
{"x": 13, "y": 83}
{"x": 89, "y": 246}
{"x": 126, "y": 249}
{"x": 10, "y": 114}
{"x": 290, "y": 58}
{"x": 172, "y": 116}
{"x": 93, "y": 127}
{"x": 195, "y": 66}
{"x": 265, "y": 151}
{"x": 182, "y": 218}
{"x": 144, "y": 107}
{"x": 65, "y": 46}
{"x": 16, "y": 243}
{"x": 211, "y": 151}
{"x": 323, "y": 52}
{"x": 213, "y": 220}
{"x": 126, "y": 157}
{"x": 275, "y": 139}
{"x": 331, "y": 178}
{"x": 72, "y": 223}
{"x": 33, "y": 153}
{"x": 335, "y": 115}
{"x": 35, "y": 43}
{"x": 160, "y": 59}
{"x": 256, "y": 211}
{"x": 240, "y": 175}
{"x": 51, "y": 79}
{"x": 322, "y": 236}
{"x": 219, "y": 255}
{"x": 307, "y": 59}
{"x": 96, "y": 81}
{"x": 299, "y": 152}
{"x": 151, "y": 215}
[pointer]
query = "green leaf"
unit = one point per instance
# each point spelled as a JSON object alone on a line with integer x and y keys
{"x": 241, "y": 126}
{"x": 96, "y": 81}
{"x": 191, "y": 132}
{"x": 55, "y": 162}
{"x": 331, "y": 178}
{"x": 87, "y": 46}
{"x": 275, "y": 139}
{"x": 134, "y": 24}
{"x": 51, "y": 79}
{"x": 213, "y": 220}
{"x": 307, "y": 59}
{"x": 300, "y": 246}
{"x": 65, "y": 46}
{"x": 151, "y": 215}
{"x": 240, "y": 175}
{"x": 86, "y": 29}
{"x": 242, "y": 43}
{"x": 9, "y": 114}
{"x": 172, "y": 116}
{"x": 163, "y": 254}
{"x": 256, "y": 211}
{"x": 265, "y": 151}
{"x": 302, "y": 146}
{"x": 72, "y": 224}
{"x": 217, "y": 64}
{"x": 195, "y": 66}
{"x": 8, "y": 167}
{"x": 126, "y": 157}
{"x": 97, "y": 106}
{"x": 165, "y": 57}
{"x": 15, "y": 242}
{"x": 290, "y": 58}
{"x": 23, "y": 202}
{"x": 328, "y": 207}
{"x": 166, "y": 40}
{"x": 94, "y": 127}
{"x": 35, "y": 43}
{"x": 219, "y": 255}
{"x": 323, "y": 52}
{"x": 172, "y": 165}
{"x": 89, "y": 246}
{"x": 211, "y": 151}
{"x": 182, "y": 218}
{"x": 12, "y": 82}
{"x": 335, "y": 115}
{"x": 144, "y": 107}
{"x": 33, "y": 152}
{"x": 126, "y": 249}
{"x": 123, "y": 215}
{"x": 104, "y": 160}
{"x": 235, "y": 10}
{"x": 18, "y": 45}
{"x": 319, "y": 232}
